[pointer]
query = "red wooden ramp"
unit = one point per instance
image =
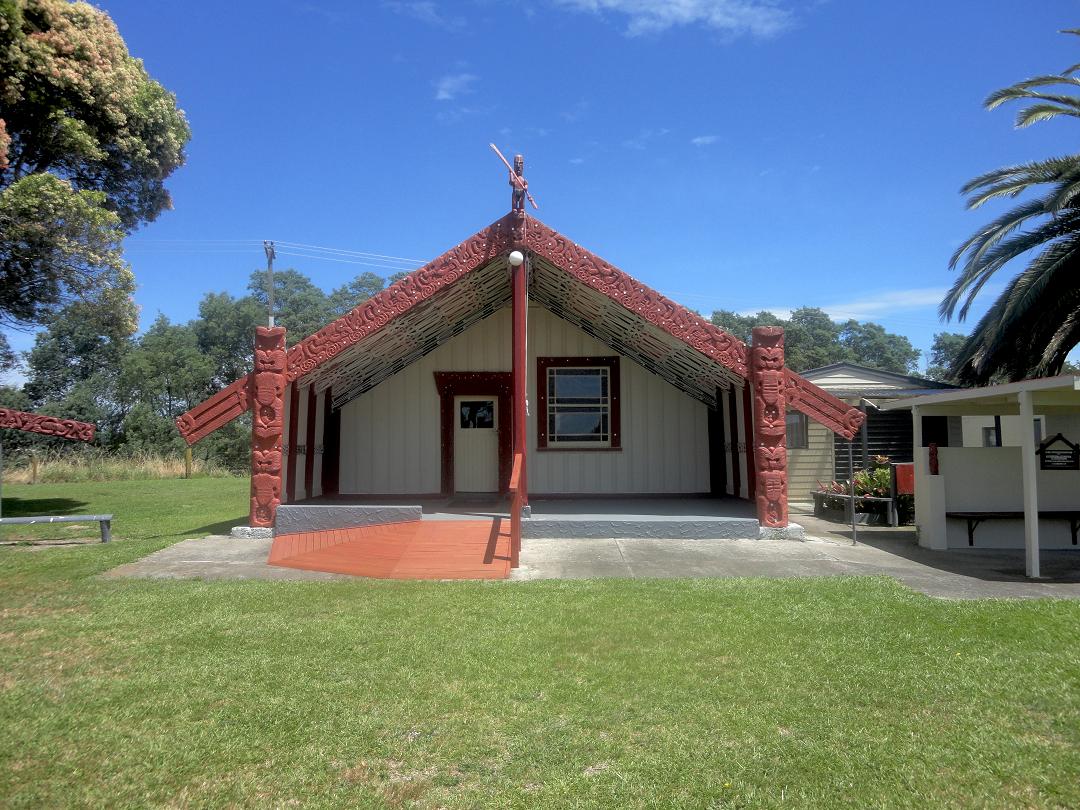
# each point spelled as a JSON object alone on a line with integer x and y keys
{"x": 420, "y": 549}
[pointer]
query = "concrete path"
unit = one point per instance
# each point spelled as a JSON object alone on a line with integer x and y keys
{"x": 962, "y": 574}
{"x": 215, "y": 557}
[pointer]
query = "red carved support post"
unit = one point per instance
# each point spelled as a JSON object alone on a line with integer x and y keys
{"x": 520, "y": 313}
{"x": 770, "y": 425}
{"x": 267, "y": 423}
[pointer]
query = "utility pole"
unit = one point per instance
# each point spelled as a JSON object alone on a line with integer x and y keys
{"x": 268, "y": 247}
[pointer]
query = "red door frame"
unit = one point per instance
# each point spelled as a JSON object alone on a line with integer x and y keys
{"x": 451, "y": 384}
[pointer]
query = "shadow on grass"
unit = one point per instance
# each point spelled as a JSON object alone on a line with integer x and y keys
{"x": 33, "y": 507}
{"x": 221, "y": 527}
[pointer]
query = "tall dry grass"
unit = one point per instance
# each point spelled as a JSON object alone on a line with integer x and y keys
{"x": 57, "y": 468}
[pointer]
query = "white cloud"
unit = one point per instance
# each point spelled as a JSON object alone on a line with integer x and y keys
{"x": 642, "y": 139}
{"x": 879, "y": 305}
{"x": 576, "y": 161}
{"x": 704, "y": 140}
{"x": 453, "y": 85}
{"x": 759, "y": 18}
{"x": 426, "y": 11}
{"x": 885, "y": 302}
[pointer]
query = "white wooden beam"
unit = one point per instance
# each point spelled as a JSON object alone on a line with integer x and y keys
{"x": 916, "y": 432}
{"x": 1031, "y": 485}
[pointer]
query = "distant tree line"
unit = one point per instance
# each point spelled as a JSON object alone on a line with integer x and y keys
{"x": 812, "y": 339}
{"x": 134, "y": 387}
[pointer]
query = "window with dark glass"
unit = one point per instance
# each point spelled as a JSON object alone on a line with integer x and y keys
{"x": 477, "y": 414}
{"x": 579, "y": 406}
{"x": 578, "y": 402}
{"x": 797, "y": 431}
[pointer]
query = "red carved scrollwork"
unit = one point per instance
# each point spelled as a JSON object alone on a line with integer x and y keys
{"x": 46, "y": 425}
{"x": 770, "y": 425}
{"x": 219, "y": 410}
{"x": 418, "y": 286}
{"x": 657, "y": 309}
{"x": 267, "y": 399}
{"x": 822, "y": 407}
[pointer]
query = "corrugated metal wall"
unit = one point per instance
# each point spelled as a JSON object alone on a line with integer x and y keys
{"x": 390, "y": 440}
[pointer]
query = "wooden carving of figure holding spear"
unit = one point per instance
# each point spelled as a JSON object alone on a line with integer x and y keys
{"x": 518, "y": 182}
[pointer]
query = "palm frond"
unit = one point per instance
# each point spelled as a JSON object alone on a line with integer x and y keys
{"x": 1026, "y": 290}
{"x": 1064, "y": 196}
{"x": 1017, "y": 92}
{"x": 1050, "y": 170}
{"x": 1041, "y": 112}
{"x": 1039, "y": 81}
{"x": 990, "y": 249}
{"x": 979, "y": 242}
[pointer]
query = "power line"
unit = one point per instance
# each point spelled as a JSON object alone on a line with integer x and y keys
{"x": 345, "y": 261}
{"x": 351, "y": 252}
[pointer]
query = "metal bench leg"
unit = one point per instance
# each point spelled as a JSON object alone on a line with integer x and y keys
{"x": 106, "y": 531}
{"x": 1073, "y": 525}
{"x": 972, "y": 523}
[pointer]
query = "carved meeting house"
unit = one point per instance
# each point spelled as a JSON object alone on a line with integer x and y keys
{"x": 519, "y": 341}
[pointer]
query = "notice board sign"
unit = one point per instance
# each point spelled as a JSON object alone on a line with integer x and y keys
{"x": 1058, "y": 453}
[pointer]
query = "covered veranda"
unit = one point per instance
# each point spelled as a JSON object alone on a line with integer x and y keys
{"x": 982, "y": 496}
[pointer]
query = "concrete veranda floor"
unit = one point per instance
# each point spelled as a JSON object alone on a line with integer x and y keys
{"x": 960, "y": 574}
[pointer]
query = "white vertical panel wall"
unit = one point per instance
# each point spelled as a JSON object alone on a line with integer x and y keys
{"x": 390, "y": 442}
{"x": 665, "y": 433}
{"x": 301, "y": 439}
{"x": 740, "y": 426}
{"x": 729, "y": 442}
{"x": 316, "y": 477}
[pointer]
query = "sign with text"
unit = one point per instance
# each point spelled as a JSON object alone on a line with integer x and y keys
{"x": 1058, "y": 453}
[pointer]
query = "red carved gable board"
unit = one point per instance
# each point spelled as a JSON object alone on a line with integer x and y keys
{"x": 517, "y": 230}
{"x": 46, "y": 425}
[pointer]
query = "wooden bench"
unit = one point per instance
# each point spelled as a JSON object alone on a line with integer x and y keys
{"x": 975, "y": 518}
{"x": 104, "y": 520}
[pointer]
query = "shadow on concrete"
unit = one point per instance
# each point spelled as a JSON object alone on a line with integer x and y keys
{"x": 989, "y": 565}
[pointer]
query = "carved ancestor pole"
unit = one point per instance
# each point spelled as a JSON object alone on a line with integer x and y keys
{"x": 770, "y": 425}
{"x": 267, "y": 423}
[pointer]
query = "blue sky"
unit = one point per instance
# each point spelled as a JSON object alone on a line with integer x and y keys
{"x": 738, "y": 154}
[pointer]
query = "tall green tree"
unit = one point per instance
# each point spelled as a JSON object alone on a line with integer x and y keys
{"x": 946, "y": 347}
{"x": 87, "y": 140}
{"x": 873, "y": 346}
{"x": 79, "y": 343}
{"x": 356, "y": 292}
{"x": 1035, "y": 321}
{"x": 225, "y": 331}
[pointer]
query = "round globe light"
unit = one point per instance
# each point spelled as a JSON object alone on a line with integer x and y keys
{"x": 515, "y": 258}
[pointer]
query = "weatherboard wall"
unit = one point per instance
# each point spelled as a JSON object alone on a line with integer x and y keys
{"x": 810, "y": 465}
{"x": 390, "y": 436}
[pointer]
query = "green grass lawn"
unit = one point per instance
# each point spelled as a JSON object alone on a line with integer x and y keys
{"x": 727, "y": 693}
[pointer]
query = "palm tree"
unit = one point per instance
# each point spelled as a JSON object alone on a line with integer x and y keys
{"x": 1036, "y": 321}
